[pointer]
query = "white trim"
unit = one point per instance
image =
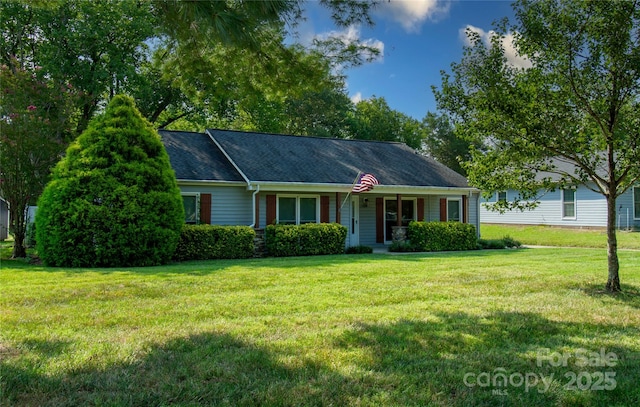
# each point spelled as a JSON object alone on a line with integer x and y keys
{"x": 378, "y": 189}
{"x": 297, "y": 197}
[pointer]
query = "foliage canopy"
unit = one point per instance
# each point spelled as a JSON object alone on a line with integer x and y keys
{"x": 569, "y": 115}
{"x": 113, "y": 200}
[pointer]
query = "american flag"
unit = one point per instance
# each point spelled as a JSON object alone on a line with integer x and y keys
{"x": 365, "y": 183}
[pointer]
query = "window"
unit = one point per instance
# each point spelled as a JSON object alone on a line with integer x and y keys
{"x": 569, "y": 203}
{"x": 408, "y": 214}
{"x": 454, "y": 210}
{"x": 296, "y": 210}
{"x": 501, "y": 196}
{"x": 191, "y": 204}
{"x": 636, "y": 202}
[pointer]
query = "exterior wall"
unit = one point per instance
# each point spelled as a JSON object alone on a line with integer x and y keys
{"x": 230, "y": 205}
{"x": 590, "y": 211}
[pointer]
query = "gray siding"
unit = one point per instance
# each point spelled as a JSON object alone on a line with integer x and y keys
{"x": 230, "y": 205}
{"x": 590, "y": 211}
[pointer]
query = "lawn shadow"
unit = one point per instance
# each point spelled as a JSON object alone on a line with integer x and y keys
{"x": 205, "y": 369}
{"x": 407, "y": 362}
{"x": 630, "y": 294}
{"x": 447, "y": 360}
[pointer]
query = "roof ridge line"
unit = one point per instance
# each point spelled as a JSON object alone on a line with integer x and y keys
{"x": 308, "y": 136}
{"x": 242, "y": 174}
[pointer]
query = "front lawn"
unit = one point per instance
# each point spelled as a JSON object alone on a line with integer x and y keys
{"x": 556, "y": 236}
{"x": 439, "y": 329}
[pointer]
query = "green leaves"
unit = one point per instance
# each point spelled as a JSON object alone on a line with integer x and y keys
{"x": 113, "y": 200}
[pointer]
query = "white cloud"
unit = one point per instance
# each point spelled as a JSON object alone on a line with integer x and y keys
{"x": 518, "y": 61}
{"x": 412, "y": 13}
{"x": 351, "y": 36}
{"x": 356, "y": 98}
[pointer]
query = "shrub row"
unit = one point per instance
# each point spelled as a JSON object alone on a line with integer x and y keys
{"x": 441, "y": 236}
{"x": 206, "y": 242}
{"x": 305, "y": 240}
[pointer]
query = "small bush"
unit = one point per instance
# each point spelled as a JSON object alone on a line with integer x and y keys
{"x": 359, "y": 249}
{"x": 503, "y": 243}
{"x": 305, "y": 240}
{"x": 442, "y": 236}
{"x": 207, "y": 242}
{"x": 511, "y": 242}
{"x": 486, "y": 244}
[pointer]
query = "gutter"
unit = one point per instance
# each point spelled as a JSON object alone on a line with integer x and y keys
{"x": 253, "y": 205}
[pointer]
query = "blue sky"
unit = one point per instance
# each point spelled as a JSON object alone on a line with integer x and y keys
{"x": 419, "y": 38}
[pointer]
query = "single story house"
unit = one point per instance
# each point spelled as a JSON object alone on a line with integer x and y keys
{"x": 576, "y": 206}
{"x": 246, "y": 178}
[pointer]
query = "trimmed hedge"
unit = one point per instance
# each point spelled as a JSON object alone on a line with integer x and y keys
{"x": 305, "y": 240}
{"x": 442, "y": 236}
{"x": 206, "y": 242}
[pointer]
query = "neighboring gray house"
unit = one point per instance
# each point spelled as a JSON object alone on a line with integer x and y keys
{"x": 573, "y": 207}
{"x": 243, "y": 178}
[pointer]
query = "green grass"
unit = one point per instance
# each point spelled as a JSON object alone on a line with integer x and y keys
{"x": 563, "y": 237}
{"x": 353, "y": 330}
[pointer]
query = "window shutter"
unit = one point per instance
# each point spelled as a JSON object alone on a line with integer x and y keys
{"x": 420, "y": 204}
{"x": 271, "y": 209}
{"x": 465, "y": 209}
{"x": 205, "y": 209}
{"x": 324, "y": 209}
{"x": 379, "y": 220}
{"x": 443, "y": 209}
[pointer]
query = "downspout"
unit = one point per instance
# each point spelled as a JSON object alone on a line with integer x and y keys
{"x": 253, "y": 205}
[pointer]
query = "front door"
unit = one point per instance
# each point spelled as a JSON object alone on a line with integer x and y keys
{"x": 354, "y": 237}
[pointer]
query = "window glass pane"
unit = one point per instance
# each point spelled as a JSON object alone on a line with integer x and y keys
{"x": 190, "y": 208}
{"x": 502, "y": 196}
{"x": 391, "y": 217}
{"x": 453, "y": 211}
{"x": 568, "y": 206}
{"x": 569, "y": 210}
{"x": 569, "y": 195}
{"x": 287, "y": 210}
{"x": 407, "y": 212}
{"x": 308, "y": 210}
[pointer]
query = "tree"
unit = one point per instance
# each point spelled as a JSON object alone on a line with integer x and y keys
{"x": 113, "y": 199}
{"x": 35, "y": 121}
{"x": 375, "y": 120}
{"x": 577, "y": 100}
{"x": 444, "y": 144}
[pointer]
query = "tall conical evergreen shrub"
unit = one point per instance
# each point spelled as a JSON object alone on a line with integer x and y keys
{"x": 113, "y": 199}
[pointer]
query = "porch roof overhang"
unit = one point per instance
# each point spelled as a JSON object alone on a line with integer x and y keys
{"x": 344, "y": 188}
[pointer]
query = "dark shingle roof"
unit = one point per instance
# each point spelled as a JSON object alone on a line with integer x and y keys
{"x": 194, "y": 156}
{"x": 281, "y": 158}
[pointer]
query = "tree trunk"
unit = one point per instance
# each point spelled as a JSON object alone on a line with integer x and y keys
{"x": 18, "y": 229}
{"x": 613, "y": 282}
